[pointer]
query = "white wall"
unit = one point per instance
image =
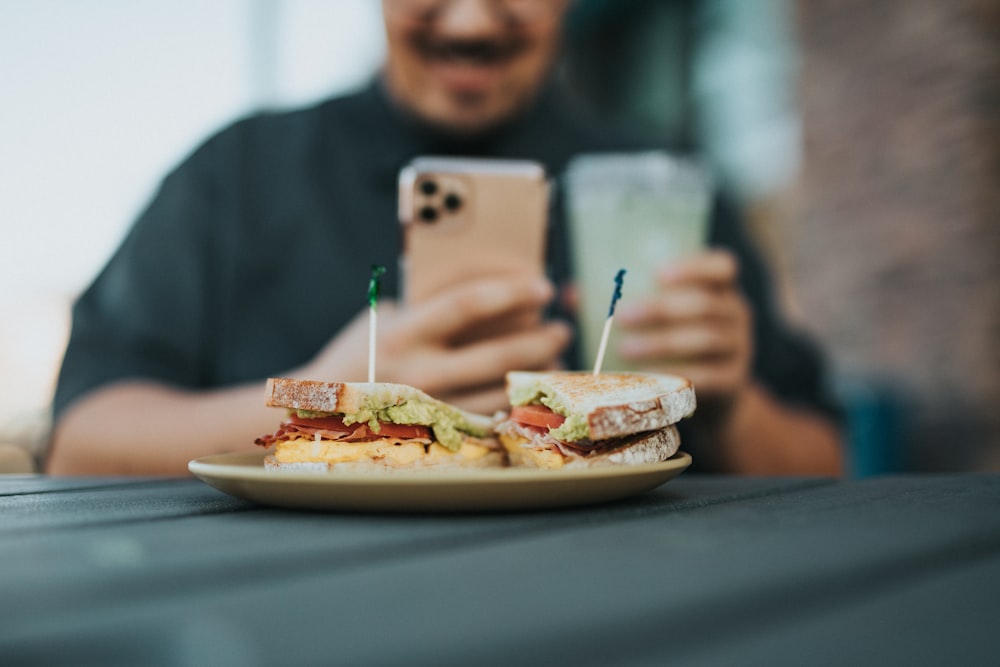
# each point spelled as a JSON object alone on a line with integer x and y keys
{"x": 98, "y": 99}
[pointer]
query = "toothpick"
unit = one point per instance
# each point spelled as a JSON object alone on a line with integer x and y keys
{"x": 619, "y": 277}
{"x": 374, "y": 285}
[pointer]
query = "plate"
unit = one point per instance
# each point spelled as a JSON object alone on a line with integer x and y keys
{"x": 244, "y": 476}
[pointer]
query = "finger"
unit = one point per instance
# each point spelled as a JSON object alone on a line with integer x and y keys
{"x": 714, "y": 267}
{"x": 569, "y": 296}
{"x": 447, "y": 314}
{"x": 488, "y": 361}
{"x": 682, "y": 303}
{"x": 712, "y": 380}
{"x": 530, "y": 350}
{"x": 485, "y": 401}
{"x": 692, "y": 341}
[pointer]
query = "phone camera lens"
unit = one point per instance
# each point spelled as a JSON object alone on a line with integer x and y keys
{"x": 452, "y": 202}
{"x": 428, "y": 214}
{"x": 428, "y": 187}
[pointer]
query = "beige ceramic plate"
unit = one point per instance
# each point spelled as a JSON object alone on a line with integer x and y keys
{"x": 244, "y": 476}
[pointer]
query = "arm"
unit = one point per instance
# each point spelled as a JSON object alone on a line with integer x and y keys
{"x": 148, "y": 428}
{"x": 700, "y": 326}
{"x": 763, "y": 436}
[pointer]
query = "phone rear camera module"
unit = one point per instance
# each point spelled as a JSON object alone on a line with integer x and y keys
{"x": 428, "y": 214}
{"x": 452, "y": 202}
{"x": 428, "y": 187}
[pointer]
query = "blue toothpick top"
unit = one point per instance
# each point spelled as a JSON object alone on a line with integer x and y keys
{"x": 619, "y": 277}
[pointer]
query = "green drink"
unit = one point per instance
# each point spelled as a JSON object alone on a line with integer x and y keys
{"x": 639, "y": 211}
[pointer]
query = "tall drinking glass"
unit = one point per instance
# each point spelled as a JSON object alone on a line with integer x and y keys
{"x": 637, "y": 211}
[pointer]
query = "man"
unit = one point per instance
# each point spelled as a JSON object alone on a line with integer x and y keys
{"x": 252, "y": 261}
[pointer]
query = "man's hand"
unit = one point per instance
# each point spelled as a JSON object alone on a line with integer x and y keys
{"x": 698, "y": 326}
{"x": 418, "y": 345}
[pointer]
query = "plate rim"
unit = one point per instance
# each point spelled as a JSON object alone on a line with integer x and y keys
{"x": 429, "y": 490}
{"x": 249, "y": 466}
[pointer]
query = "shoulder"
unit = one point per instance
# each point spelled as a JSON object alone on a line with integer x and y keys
{"x": 279, "y": 134}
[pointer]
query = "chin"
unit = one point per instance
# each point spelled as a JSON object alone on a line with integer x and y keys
{"x": 460, "y": 106}
{"x": 466, "y": 115}
{"x": 465, "y": 124}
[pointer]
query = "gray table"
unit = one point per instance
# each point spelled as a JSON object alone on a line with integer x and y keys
{"x": 702, "y": 571}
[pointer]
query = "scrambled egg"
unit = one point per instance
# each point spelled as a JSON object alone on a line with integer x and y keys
{"x": 530, "y": 456}
{"x": 402, "y": 452}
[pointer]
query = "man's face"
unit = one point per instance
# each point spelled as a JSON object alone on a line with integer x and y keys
{"x": 468, "y": 65}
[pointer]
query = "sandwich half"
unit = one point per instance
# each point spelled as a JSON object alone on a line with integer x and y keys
{"x": 579, "y": 420}
{"x": 373, "y": 426}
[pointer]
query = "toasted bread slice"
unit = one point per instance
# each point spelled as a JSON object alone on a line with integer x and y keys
{"x": 608, "y": 405}
{"x": 651, "y": 447}
{"x": 353, "y": 398}
{"x": 339, "y": 397}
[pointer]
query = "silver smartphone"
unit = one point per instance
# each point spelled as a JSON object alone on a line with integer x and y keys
{"x": 468, "y": 219}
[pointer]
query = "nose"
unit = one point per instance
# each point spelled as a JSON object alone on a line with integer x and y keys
{"x": 470, "y": 19}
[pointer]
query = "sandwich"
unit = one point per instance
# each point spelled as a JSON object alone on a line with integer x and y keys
{"x": 580, "y": 420}
{"x": 373, "y": 426}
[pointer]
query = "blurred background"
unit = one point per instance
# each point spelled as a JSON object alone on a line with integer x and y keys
{"x": 862, "y": 140}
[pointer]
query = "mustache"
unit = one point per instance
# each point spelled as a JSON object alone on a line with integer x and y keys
{"x": 473, "y": 50}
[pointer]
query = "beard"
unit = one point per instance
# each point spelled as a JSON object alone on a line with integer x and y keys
{"x": 473, "y": 51}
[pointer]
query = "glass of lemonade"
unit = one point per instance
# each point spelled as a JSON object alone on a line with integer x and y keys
{"x": 632, "y": 211}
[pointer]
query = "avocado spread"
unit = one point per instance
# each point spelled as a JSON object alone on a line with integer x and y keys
{"x": 574, "y": 428}
{"x": 447, "y": 423}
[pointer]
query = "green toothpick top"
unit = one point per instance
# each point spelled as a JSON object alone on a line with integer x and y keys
{"x": 373, "y": 289}
{"x": 375, "y": 284}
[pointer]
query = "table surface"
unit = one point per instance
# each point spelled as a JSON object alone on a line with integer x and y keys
{"x": 701, "y": 571}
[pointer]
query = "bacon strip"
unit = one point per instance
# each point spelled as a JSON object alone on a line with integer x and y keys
{"x": 289, "y": 430}
{"x": 541, "y": 438}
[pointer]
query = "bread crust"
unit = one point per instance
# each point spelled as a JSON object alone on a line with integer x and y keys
{"x": 615, "y": 404}
{"x": 353, "y": 397}
{"x": 653, "y": 447}
{"x": 340, "y": 397}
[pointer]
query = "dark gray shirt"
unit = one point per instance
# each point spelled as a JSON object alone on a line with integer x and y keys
{"x": 256, "y": 249}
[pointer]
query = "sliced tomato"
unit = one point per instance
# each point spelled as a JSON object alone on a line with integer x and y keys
{"x": 331, "y": 423}
{"x": 386, "y": 429}
{"x": 536, "y": 415}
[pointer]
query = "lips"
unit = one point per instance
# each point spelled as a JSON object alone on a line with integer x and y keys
{"x": 469, "y": 68}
